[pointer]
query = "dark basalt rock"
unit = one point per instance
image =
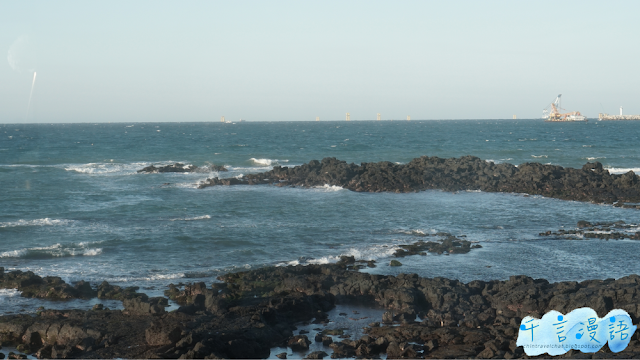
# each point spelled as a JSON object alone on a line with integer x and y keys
{"x": 299, "y": 343}
{"x": 317, "y": 355}
{"x": 143, "y": 305}
{"x": 162, "y": 334}
{"x": 590, "y": 183}
{"x": 177, "y": 167}
{"x": 250, "y": 312}
{"x": 450, "y": 245}
{"x": 603, "y": 230}
{"x": 187, "y": 295}
{"x": 114, "y": 292}
{"x": 50, "y": 287}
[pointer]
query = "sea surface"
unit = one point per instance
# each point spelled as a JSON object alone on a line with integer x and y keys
{"x": 73, "y": 205}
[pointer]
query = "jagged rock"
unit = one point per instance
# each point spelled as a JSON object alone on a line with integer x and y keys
{"x": 143, "y": 305}
{"x": 259, "y": 308}
{"x": 162, "y": 334}
{"x": 590, "y": 183}
{"x": 114, "y": 292}
{"x": 299, "y": 343}
{"x": 177, "y": 167}
{"x": 317, "y": 355}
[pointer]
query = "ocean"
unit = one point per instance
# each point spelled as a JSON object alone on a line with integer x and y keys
{"x": 73, "y": 205}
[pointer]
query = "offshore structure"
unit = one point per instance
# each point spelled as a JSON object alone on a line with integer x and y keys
{"x": 348, "y": 117}
{"x": 603, "y": 116}
{"x": 552, "y": 113}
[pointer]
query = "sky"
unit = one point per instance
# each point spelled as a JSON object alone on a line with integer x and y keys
{"x": 126, "y": 61}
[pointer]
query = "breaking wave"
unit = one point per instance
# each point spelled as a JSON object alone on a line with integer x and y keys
{"x": 36, "y": 222}
{"x": 268, "y": 162}
{"x": 329, "y": 188}
{"x": 56, "y": 250}
{"x": 614, "y": 170}
{"x": 203, "y": 217}
{"x": 9, "y": 293}
{"x": 146, "y": 278}
{"x": 373, "y": 252}
{"x": 106, "y": 168}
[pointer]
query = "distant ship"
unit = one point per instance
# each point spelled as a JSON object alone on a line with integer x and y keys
{"x": 552, "y": 113}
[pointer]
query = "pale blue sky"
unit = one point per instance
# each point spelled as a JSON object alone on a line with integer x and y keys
{"x": 295, "y": 60}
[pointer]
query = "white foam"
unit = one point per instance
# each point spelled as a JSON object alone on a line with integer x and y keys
{"x": 329, "y": 188}
{"x": 595, "y": 158}
{"x": 614, "y": 170}
{"x": 9, "y": 293}
{"x": 203, "y": 217}
{"x": 373, "y": 252}
{"x": 86, "y": 243}
{"x": 148, "y": 278}
{"x": 36, "y": 222}
{"x": 268, "y": 162}
{"x": 56, "y": 250}
{"x": 52, "y": 247}
{"x": 498, "y": 161}
{"x": 369, "y": 253}
{"x": 539, "y": 156}
{"x": 92, "y": 252}
{"x": 13, "y": 253}
{"x": 111, "y": 168}
{"x": 323, "y": 260}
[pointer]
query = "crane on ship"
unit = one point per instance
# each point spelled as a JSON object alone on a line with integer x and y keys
{"x": 552, "y": 113}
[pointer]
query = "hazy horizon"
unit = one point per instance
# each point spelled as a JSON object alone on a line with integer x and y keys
{"x": 292, "y": 61}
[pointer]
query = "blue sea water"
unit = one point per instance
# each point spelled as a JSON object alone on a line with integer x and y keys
{"x": 73, "y": 205}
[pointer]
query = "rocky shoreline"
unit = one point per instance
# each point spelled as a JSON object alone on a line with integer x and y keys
{"x": 249, "y": 313}
{"x": 590, "y": 183}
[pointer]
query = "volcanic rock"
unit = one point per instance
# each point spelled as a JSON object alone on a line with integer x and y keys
{"x": 590, "y": 183}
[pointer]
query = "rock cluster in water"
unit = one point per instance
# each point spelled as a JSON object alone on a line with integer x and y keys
{"x": 618, "y": 230}
{"x": 250, "y": 312}
{"x": 181, "y": 168}
{"x": 590, "y": 183}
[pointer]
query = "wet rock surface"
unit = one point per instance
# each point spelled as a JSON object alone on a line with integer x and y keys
{"x": 590, "y": 183}
{"x": 54, "y": 288}
{"x": 618, "y": 230}
{"x": 449, "y": 245}
{"x": 181, "y": 168}
{"x": 250, "y": 312}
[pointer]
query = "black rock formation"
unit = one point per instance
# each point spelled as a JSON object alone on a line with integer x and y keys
{"x": 250, "y": 312}
{"x": 590, "y": 183}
